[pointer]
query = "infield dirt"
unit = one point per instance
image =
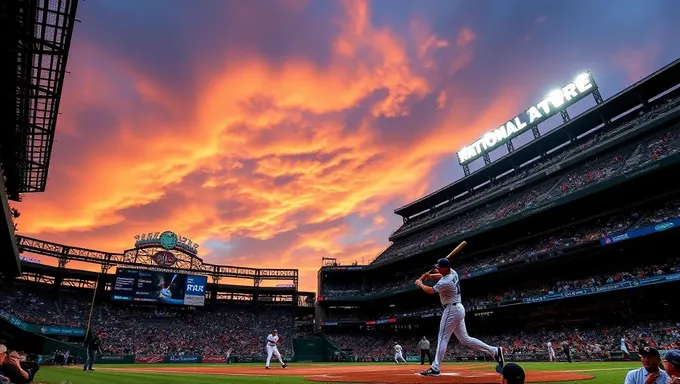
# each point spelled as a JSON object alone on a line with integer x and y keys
{"x": 396, "y": 374}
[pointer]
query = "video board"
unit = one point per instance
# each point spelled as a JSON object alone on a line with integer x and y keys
{"x": 138, "y": 285}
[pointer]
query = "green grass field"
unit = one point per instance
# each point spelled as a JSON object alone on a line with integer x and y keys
{"x": 605, "y": 373}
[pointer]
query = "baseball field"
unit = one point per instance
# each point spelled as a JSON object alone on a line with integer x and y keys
{"x": 591, "y": 373}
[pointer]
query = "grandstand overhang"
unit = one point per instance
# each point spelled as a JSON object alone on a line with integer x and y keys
{"x": 35, "y": 37}
{"x": 635, "y": 96}
{"x": 9, "y": 253}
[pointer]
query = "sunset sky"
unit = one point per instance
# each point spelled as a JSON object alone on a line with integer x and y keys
{"x": 278, "y": 132}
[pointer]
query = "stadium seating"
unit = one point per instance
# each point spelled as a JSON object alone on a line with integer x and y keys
{"x": 536, "y": 167}
{"x": 592, "y": 343}
{"x": 562, "y": 239}
{"x": 139, "y": 330}
{"x": 622, "y": 161}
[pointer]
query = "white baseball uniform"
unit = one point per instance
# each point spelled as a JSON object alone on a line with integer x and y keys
{"x": 272, "y": 340}
{"x": 551, "y": 352}
{"x": 623, "y": 346}
{"x": 397, "y": 354}
{"x": 453, "y": 320}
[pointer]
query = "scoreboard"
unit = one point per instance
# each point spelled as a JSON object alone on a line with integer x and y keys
{"x": 160, "y": 287}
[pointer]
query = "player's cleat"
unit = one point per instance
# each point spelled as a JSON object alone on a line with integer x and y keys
{"x": 267, "y": 368}
{"x": 430, "y": 372}
{"x": 500, "y": 359}
{"x": 284, "y": 365}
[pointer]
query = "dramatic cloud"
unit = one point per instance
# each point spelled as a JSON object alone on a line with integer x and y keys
{"x": 278, "y": 134}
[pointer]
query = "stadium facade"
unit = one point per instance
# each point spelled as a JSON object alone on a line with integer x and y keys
{"x": 568, "y": 240}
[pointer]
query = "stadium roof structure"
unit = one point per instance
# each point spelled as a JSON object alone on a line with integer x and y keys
{"x": 637, "y": 94}
{"x": 35, "y": 37}
{"x": 10, "y": 264}
{"x": 144, "y": 257}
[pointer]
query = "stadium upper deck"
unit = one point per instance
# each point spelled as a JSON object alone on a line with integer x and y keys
{"x": 634, "y": 99}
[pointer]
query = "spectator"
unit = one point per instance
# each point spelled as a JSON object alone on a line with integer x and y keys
{"x": 14, "y": 371}
{"x": 512, "y": 374}
{"x": 672, "y": 359}
{"x": 3, "y": 365}
{"x": 650, "y": 372}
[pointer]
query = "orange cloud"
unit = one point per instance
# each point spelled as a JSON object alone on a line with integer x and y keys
{"x": 283, "y": 154}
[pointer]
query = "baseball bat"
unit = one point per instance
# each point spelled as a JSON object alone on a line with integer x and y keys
{"x": 455, "y": 251}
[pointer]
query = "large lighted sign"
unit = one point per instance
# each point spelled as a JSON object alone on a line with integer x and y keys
{"x": 167, "y": 240}
{"x": 552, "y": 104}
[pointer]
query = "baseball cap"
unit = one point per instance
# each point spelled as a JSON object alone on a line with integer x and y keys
{"x": 649, "y": 351}
{"x": 274, "y": 330}
{"x": 513, "y": 373}
{"x": 673, "y": 357}
{"x": 443, "y": 263}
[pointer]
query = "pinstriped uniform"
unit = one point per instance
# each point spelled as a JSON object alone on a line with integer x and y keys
{"x": 453, "y": 320}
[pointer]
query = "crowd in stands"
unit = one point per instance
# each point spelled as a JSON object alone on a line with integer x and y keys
{"x": 621, "y": 161}
{"x": 150, "y": 331}
{"x": 529, "y": 251}
{"x": 239, "y": 329}
{"x": 556, "y": 157}
{"x": 592, "y": 343}
{"x": 35, "y": 307}
{"x": 565, "y": 286}
{"x": 529, "y": 290}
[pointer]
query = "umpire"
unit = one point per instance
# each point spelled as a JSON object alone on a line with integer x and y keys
{"x": 424, "y": 346}
{"x": 93, "y": 345}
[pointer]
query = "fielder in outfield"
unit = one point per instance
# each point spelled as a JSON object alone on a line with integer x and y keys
{"x": 453, "y": 316}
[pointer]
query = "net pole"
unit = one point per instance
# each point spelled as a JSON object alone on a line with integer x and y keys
{"x": 94, "y": 296}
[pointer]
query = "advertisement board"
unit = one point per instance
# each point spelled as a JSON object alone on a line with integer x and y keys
{"x": 42, "y": 329}
{"x": 183, "y": 359}
{"x": 161, "y": 287}
{"x": 642, "y": 231}
{"x": 214, "y": 359}
{"x": 149, "y": 359}
{"x": 115, "y": 359}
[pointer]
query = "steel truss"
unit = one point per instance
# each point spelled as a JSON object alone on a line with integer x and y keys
{"x": 37, "y": 35}
{"x": 142, "y": 258}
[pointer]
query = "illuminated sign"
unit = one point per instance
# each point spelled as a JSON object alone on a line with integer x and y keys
{"x": 164, "y": 258}
{"x": 29, "y": 260}
{"x": 167, "y": 240}
{"x": 555, "y": 102}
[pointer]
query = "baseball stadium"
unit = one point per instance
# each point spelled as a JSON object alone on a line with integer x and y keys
{"x": 557, "y": 247}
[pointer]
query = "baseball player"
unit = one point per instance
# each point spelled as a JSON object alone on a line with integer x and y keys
{"x": 624, "y": 348}
{"x": 397, "y": 353}
{"x": 551, "y": 352}
{"x": 453, "y": 316}
{"x": 272, "y": 343}
{"x": 165, "y": 292}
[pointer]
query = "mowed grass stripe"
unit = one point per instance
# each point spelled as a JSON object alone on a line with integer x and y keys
{"x": 605, "y": 373}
